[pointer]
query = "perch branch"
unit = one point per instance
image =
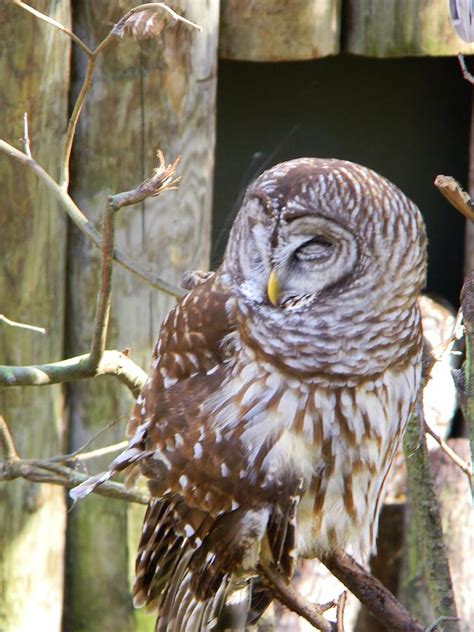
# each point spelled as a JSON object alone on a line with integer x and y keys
{"x": 372, "y": 593}
{"x": 13, "y": 323}
{"x": 294, "y": 601}
{"x": 455, "y": 195}
{"x": 47, "y": 471}
{"x": 85, "y": 226}
{"x": 427, "y": 518}
{"x": 77, "y": 368}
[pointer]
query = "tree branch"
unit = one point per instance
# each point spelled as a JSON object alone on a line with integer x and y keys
{"x": 294, "y": 601}
{"x": 85, "y": 226}
{"x": 13, "y": 323}
{"x": 372, "y": 593}
{"x": 428, "y": 521}
{"x": 49, "y": 471}
{"x": 78, "y": 368}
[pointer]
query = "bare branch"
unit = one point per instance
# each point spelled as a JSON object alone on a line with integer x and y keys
{"x": 54, "y": 23}
{"x": 294, "y": 601}
{"x": 85, "y": 226}
{"x": 111, "y": 363}
{"x": 439, "y": 620}
{"x": 26, "y": 136}
{"x": 341, "y": 605}
{"x": 163, "y": 179}
{"x": 13, "y": 323}
{"x": 102, "y": 313}
{"x": 6, "y": 442}
{"x": 372, "y": 593}
{"x": 53, "y": 473}
{"x": 427, "y": 518}
{"x": 455, "y": 195}
{"x": 455, "y": 458}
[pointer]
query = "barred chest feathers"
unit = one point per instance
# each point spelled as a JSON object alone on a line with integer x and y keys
{"x": 339, "y": 441}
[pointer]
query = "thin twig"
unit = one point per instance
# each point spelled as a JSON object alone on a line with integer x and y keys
{"x": 163, "y": 179}
{"x": 294, "y": 601}
{"x": 112, "y": 363}
{"x": 6, "y": 441}
{"x": 87, "y": 456}
{"x": 26, "y": 135}
{"x": 439, "y": 620}
{"x": 85, "y": 226}
{"x": 465, "y": 467}
{"x": 13, "y": 323}
{"x": 372, "y": 593}
{"x": 54, "y": 23}
{"x": 465, "y": 72}
{"x": 455, "y": 194}
{"x": 341, "y": 605}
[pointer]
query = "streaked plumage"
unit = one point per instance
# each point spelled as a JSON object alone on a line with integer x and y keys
{"x": 279, "y": 389}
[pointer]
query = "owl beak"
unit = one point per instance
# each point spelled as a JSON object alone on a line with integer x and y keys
{"x": 273, "y": 289}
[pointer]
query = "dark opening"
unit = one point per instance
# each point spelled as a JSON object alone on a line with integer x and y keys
{"x": 406, "y": 118}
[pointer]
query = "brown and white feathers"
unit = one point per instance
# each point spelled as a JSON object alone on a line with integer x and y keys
{"x": 279, "y": 390}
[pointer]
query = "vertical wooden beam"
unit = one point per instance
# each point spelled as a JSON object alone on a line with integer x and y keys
{"x": 404, "y": 27}
{"x": 269, "y": 30}
{"x": 34, "y": 67}
{"x": 158, "y": 93}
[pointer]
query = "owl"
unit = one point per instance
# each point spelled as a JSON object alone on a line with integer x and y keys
{"x": 279, "y": 390}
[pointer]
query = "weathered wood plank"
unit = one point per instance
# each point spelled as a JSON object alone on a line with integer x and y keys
{"x": 34, "y": 67}
{"x": 146, "y": 95}
{"x": 278, "y": 30}
{"x": 401, "y": 28}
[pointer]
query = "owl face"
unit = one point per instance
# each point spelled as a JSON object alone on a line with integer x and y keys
{"x": 290, "y": 262}
{"x": 324, "y": 251}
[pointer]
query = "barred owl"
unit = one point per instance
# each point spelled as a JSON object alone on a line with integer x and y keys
{"x": 279, "y": 390}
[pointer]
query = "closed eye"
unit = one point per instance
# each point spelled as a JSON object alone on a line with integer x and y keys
{"x": 318, "y": 248}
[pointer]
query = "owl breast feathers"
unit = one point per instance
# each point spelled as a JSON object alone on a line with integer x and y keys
{"x": 279, "y": 390}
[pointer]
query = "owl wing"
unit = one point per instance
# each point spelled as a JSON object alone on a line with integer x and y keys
{"x": 205, "y": 515}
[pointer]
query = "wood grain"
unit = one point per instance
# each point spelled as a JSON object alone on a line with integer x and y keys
{"x": 266, "y": 30}
{"x": 157, "y": 93}
{"x": 401, "y": 28}
{"x": 34, "y": 66}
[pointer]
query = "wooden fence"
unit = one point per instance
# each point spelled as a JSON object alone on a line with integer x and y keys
{"x": 73, "y": 569}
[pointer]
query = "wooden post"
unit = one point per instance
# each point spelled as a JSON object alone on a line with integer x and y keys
{"x": 404, "y": 27}
{"x": 158, "y": 93}
{"x": 266, "y": 30}
{"x": 34, "y": 66}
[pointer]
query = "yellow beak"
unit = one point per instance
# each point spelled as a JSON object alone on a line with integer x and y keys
{"x": 273, "y": 289}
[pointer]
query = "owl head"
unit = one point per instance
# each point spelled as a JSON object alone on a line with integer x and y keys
{"x": 328, "y": 244}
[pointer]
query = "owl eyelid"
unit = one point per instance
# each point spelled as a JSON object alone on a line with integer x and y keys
{"x": 325, "y": 248}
